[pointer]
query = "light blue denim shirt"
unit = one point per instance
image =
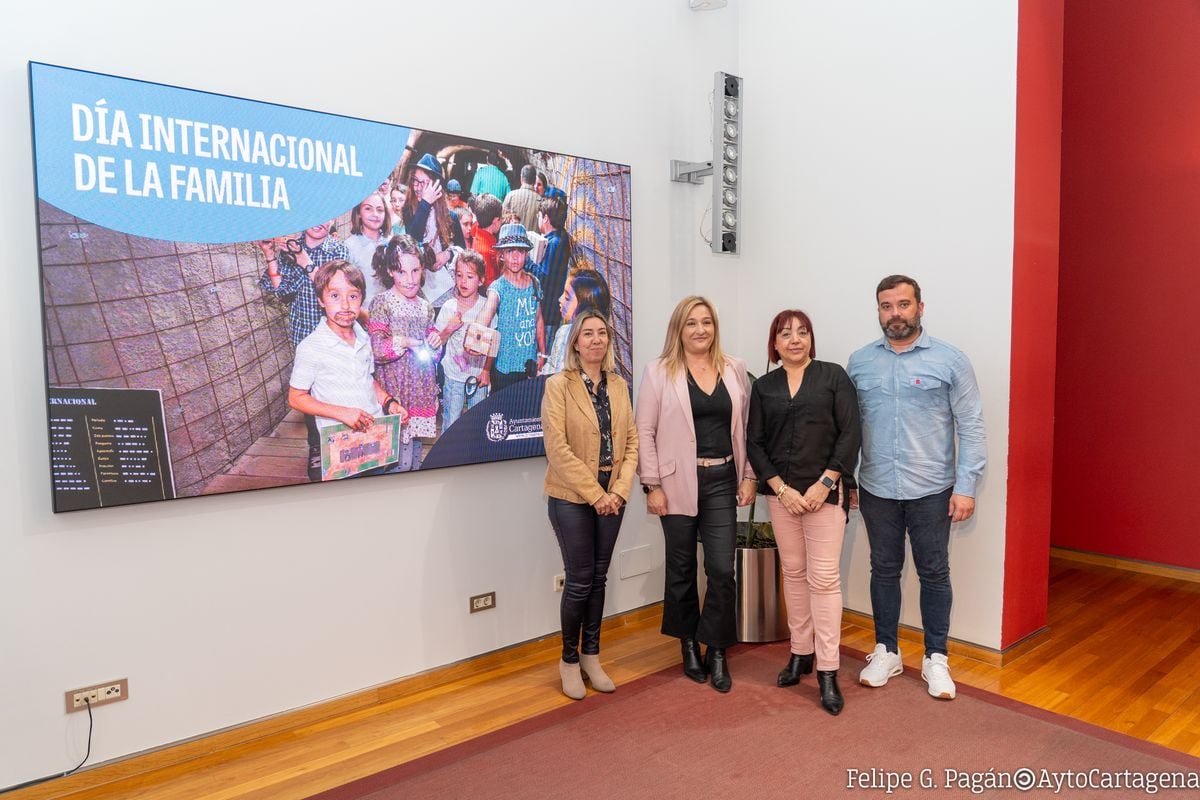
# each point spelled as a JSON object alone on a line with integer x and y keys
{"x": 912, "y": 403}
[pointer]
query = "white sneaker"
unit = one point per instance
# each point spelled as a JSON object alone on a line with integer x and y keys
{"x": 881, "y": 665}
{"x": 936, "y": 672}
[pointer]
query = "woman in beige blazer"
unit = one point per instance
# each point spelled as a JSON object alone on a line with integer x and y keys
{"x": 591, "y": 450}
{"x": 691, "y": 420}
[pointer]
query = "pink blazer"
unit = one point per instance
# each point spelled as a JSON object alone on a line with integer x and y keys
{"x": 667, "y": 434}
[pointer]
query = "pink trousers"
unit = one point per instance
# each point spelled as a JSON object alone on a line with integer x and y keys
{"x": 810, "y": 549}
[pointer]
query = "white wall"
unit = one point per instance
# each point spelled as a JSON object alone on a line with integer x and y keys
{"x": 225, "y": 609}
{"x": 879, "y": 138}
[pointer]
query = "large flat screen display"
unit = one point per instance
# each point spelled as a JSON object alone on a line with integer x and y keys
{"x": 240, "y": 295}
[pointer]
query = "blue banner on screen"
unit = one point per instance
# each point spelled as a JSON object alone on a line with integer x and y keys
{"x": 273, "y": 274}
{"x": 168, "y": 163}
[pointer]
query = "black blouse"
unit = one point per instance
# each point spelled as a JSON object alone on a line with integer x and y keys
{"x": 798, "y": 438}
{"x": 712, "y": 414}
{"x": 603, "y": 408}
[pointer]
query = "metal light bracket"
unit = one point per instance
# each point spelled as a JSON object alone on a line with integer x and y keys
{"x": 725, "y": 167}
{"x": 690, "y": 171}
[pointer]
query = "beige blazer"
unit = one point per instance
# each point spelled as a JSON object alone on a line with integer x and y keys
{"x": 668, "y": 433}
{"x": 571, "y": 433}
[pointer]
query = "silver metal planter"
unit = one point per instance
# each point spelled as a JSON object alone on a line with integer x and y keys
{"x": 761, "y": 614}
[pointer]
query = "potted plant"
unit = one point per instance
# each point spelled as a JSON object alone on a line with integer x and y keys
{"x": 761, "y": 614}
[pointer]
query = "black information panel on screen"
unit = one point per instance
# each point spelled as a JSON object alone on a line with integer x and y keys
{"x": 108, "y": 448}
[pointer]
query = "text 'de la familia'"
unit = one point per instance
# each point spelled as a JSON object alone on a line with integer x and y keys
{"x": 254, "y": 151}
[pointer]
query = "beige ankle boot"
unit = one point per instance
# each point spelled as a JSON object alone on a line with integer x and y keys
{"x": 595, "y": 673}
{"x": 572, "y": 681}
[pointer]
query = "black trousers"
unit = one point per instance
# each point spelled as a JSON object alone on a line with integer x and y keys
{"x": 716, "y": 528}
{"x": 587, "y": 540}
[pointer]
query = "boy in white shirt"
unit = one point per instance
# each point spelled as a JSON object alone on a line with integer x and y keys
{"x": 333, "y": 374}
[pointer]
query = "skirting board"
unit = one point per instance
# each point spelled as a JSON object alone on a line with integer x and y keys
{"x": 987, "y": 655}
{"x": 1128, "y": 564}
{"x": 1014, "y": 651}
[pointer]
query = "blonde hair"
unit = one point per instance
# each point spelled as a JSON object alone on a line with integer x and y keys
{"x": 672, "y": 353}
{"x": 572, "y": 361}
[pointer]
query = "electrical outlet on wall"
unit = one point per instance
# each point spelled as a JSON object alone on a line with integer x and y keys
{"x": 482, "y": 602}
{"x": 98, "y": 695}
{"x": 560, "y": 582}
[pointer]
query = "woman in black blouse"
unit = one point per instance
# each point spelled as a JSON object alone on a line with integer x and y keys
{"x": 802, "y": 440}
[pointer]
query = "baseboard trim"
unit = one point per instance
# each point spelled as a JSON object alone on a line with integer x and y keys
{"x": 957, "y": 647}
{"x": 213, "y": 747}
{"x": 1127, "y": 564}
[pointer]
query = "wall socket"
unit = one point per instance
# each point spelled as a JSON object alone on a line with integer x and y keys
{"x": 482, "y": 602}
{"x": 560, "y": 582}
{"x": 98, "y": 695}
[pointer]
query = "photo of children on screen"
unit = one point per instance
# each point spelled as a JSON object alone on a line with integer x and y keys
{"x": 333, "y": 376}
{"x": 405, "y": 346}
{"x": 466, "y": 376}
{"x": 437, "y": 350}
{"x": 514, "y": 308}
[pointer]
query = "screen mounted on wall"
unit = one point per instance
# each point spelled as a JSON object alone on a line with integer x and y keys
{"x": 240, "y": 295}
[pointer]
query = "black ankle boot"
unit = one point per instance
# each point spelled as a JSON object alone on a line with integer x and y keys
{"x": 831, "y": 695}
{"x": 718, "y": 669}
{"x": 796, "y": 666}
{"x": 693, "y": 665}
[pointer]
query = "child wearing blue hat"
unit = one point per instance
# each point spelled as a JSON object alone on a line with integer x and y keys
{"x": 514, "y": 308}
{"x": 454, "y": 194}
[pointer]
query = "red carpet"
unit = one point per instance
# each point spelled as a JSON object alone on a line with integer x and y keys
{"x": 666, "y": 737}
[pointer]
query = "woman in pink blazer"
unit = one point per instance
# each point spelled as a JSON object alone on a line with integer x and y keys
{"x": 691, "y": 422}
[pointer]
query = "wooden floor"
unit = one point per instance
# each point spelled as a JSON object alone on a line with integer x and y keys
{"x": 1123, "y": 652}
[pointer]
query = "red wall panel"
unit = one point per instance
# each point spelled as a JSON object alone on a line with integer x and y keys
{"x": 1127, "y": 433}
{"x": 1034, "y": 309}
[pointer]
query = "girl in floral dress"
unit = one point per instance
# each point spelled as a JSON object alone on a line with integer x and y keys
{"x": 401, "y": 329}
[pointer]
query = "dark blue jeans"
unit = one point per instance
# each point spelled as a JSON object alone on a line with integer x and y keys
{"x": 927, "y": 522}
{"x": 586, "y": 540}
{"x": 716, "y": 527}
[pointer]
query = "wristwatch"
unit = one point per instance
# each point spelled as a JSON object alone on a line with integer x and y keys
{"x": 648, "y": 488}
{"x": 827, "y": 483}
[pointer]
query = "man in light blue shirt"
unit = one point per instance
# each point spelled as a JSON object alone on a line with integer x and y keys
{"x": 917, "y": 395}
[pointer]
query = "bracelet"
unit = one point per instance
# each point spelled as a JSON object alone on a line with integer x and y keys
{"x": 783, "y": 487}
